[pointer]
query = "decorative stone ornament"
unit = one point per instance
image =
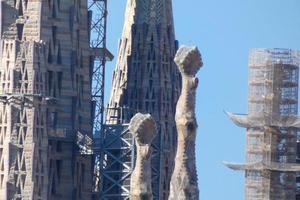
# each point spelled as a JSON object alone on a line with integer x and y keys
{"x": 184, "y": 184}
{"x": 143, "y": 128}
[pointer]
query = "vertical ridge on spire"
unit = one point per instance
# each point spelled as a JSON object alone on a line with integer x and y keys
{"x": 146, "y": 79}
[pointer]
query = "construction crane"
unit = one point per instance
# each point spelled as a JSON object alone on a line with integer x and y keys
{"x": 98, "y": 20}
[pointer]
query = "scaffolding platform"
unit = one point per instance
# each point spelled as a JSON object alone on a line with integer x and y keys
{"x": 282, "y": 167}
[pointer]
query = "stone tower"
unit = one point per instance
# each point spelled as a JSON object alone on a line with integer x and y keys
{"x": 146, "y": 79}
{"x": 272, "y": 124}
{"x": 45, "y": 99}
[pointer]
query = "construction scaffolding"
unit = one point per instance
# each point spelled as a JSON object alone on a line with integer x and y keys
{"x": 117, "y": 154}
{"x": 117, "y": 148}
{"x": 98, "y": 20}
{"x": 272, "y": 124}
{"x": 122, "y": 155}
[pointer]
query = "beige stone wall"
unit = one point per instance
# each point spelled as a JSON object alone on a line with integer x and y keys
{"x": 44, "y": 99}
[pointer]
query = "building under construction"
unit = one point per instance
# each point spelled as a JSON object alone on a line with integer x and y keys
{"x": 55, "y": 142}
{"x": 49, "y": 54}
{"x": 272, "y": 125}
{"x": 52, "y": 56}
{"x": 145, "y": 80}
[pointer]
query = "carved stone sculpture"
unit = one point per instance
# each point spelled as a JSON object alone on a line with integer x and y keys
{"x": 184, "y": 184}
{"x": 143, "y": 128}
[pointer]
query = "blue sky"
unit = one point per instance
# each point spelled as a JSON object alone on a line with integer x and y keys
{"x": 224, "y": 31}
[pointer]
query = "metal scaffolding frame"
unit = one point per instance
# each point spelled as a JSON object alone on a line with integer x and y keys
{"x": 115, "y": 119}
{"x": 116, "y": 162}
{"x": 272, "y": 125}
{"x": 117, "y": 149}
{"x": 98, "y": 20}
{"x": 113, "y": 145}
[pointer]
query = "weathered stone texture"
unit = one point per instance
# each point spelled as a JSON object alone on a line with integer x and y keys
{"x": 44, "y": 99}
{"x": 184, "y": 184}
{"x": 143, "y": 128}
{"x": 147, "y": 80}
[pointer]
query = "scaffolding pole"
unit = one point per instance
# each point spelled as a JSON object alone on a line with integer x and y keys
{"x": 99, "y": 55}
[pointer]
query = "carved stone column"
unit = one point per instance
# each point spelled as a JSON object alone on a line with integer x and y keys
{"x": 184, "y": 184}
{"x": 143, "y": 128}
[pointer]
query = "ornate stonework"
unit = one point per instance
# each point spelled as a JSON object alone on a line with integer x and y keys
{"x": 184, "y": 179}
{"x": 45, "y": 99}
{"x": 143, "y": 128}
{"x": 147, "y": 80}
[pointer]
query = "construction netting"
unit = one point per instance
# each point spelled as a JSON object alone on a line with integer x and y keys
{"x": 272, "y": 124}
{"x": 273, "y": 82}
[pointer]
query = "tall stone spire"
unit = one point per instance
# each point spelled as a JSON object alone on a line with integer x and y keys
{"x": 146, "y": 79}
{"x": 45, "y": 100}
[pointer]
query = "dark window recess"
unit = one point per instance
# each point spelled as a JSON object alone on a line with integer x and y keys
{"x": 20, "y": 9}
{"x": 77, "y": 11}
{"x": 54, "y": 34}
{"x": 20, "y": 28}
{"x": 53, "y": 189}
{"x": 90, "y": 15}
{"x": 53, "y": 120}
{"x": 74, "y": 105}
{"x": 50, "y": 82}
{"x": 59, "y": 81}
{"x": 150, "y": 84}
{"x": 54, "y": 14}
{"x": 26, "y": 75}
{"x": 19, "y": 76}
{"x": 91, "y": 64}
{"x": 54, "y": 93}
{"x": 58, "y": 59}
{"x": 49, "y": 55}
